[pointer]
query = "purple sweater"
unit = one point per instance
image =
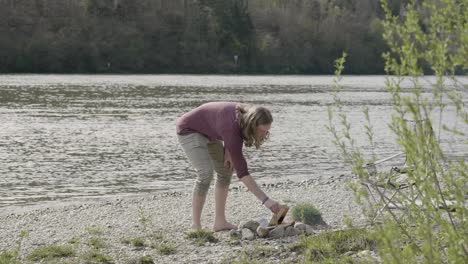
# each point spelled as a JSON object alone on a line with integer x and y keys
{"x": 217, "y": 120}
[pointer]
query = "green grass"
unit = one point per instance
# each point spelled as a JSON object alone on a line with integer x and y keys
{"x": 94, "y": 230}
{"x": 201, "y": 236}
{"x": 166, "y": 248}
{"x": 96, "y": 243}
{"x": 138, "y": 242}
{"x": 51, "y": 252}
{"x": 74, "y": 241}
{"x": 307, "y": 213}
{"x": 94, "y": 256}
{"x": 330, "y": 246}
{"x": 243, "y": 260}
{"x": 146, "y": 260}
{"x": 7, "y": 257}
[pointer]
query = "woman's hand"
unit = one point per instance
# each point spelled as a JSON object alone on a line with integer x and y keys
{"x": 272, "y": 205}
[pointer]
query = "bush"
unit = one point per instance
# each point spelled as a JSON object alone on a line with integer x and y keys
{"x": 429, "y": 35}
{"x": 307, "y": 214}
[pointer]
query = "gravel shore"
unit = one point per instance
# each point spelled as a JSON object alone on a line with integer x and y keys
{"x": 168, "y": 214}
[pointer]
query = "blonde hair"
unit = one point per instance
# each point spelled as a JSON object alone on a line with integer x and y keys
{"x": 249, "y": 118}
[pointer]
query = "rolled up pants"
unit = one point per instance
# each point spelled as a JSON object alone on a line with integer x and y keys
{"x": 206, "y": 156}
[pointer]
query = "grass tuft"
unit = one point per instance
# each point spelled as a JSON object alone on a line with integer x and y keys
{"x": 332, "y": 245}
{"x": 94, "y": 230}
{"x": 96, "y": 243}
{"x": 50, "y": 252}
{"x": 166, "y": 248}
{"x": 7, "y": 257}
{"x": 138, "y": 242}
{"x": 146, "y": 260}
{"x": 94, "y": 256}
{"x": 201, "y": 236}
{"x": 307, "y": 214}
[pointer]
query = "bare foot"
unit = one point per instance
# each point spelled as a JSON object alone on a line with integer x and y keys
{"x": 224, "y": 226}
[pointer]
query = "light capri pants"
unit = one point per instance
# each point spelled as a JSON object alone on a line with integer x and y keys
{"x": 206, "y": 157}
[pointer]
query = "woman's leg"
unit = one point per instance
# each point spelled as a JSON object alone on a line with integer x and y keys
{"x": 195, "y": 147}
{"x": 223, "y": 180}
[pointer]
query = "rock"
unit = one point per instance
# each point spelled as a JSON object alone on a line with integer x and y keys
{"x": 277, "y": 232}
{"x": 262, "y": 231}
{"x": 291, "y": 231}
{"x": 309, "y": 230}
{"x": 247, "y": 234}
{"x": 300, "y": 226}
{"x": 251, "y": 224}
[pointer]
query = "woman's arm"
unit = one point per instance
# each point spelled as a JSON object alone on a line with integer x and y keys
{"x": 250, "y": 183}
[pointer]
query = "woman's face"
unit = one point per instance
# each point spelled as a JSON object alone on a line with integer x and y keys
{"x": 263, "y": 131}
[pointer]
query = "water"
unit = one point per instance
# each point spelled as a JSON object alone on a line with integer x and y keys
{"x": 64, "y": 137}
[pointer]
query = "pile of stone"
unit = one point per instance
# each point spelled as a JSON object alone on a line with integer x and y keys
{"x": 252, "y": 229}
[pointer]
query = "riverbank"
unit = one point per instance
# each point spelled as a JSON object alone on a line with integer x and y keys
{"x": 116, "y": 223}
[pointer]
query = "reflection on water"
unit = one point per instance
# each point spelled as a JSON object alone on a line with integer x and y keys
{"x": 70, "y": 136}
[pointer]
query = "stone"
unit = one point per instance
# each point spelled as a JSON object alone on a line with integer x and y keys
{"x": 247, "y": 234}
{"x": 309, "y": 230}
{"x": 301, "y": 227}
{"x": 262, "y": 231}
{"x": 277, "y": 232}
{"x": 291, "y": 231}
{"x": 251, "y": 224}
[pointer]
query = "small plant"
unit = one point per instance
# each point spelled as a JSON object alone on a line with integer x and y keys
{"x": 94, "y": 256}
{"x": 201, "y": 236}
{"x": 333, "y": 245}
{"x": 7, "y": 257}
{"x": 144, "y": 219}
{"x": 243, "y": 260}
{"x": 96, "y": 243}
{"x": 307, "y": 214}
{"x": 94, "y": 230}
{"x": 50, "y": 252}
{"x": 166, "y": 248}
{"x": 146, "y": 260}
{"x": 74, "y": 241}
{"x": 12, "y": 257}
{"x": 136, "y": 242}
{"x": 157, "y": 235}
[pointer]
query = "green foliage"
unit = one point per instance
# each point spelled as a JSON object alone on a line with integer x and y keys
{"x": 94, "y": 230}
{"x": 94, "y": 256}
{"x": 166, "y": 248}
{"x": 201, "y": 236}
{"x": 51, "y": 252}
{"x": 146, "y": 260}
{"x": 96, "y": 243}
{"x": 429, "y": 36}
{"x": 307, "y": 213}
{"x": 149, "y": 36}
{"x": 136, "y": 242}
{"x": 12, "y": 257}
{"x": 7, "y": 257}
{"x": 333, "y": 245}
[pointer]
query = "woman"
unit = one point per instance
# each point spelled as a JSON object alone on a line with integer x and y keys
{"x": 212, "y": 136}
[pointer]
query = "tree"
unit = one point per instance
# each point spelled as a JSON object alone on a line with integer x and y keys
{"x": 429, "y": 34}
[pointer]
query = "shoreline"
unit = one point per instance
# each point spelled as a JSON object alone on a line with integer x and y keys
{"x": 169, "y": 214}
